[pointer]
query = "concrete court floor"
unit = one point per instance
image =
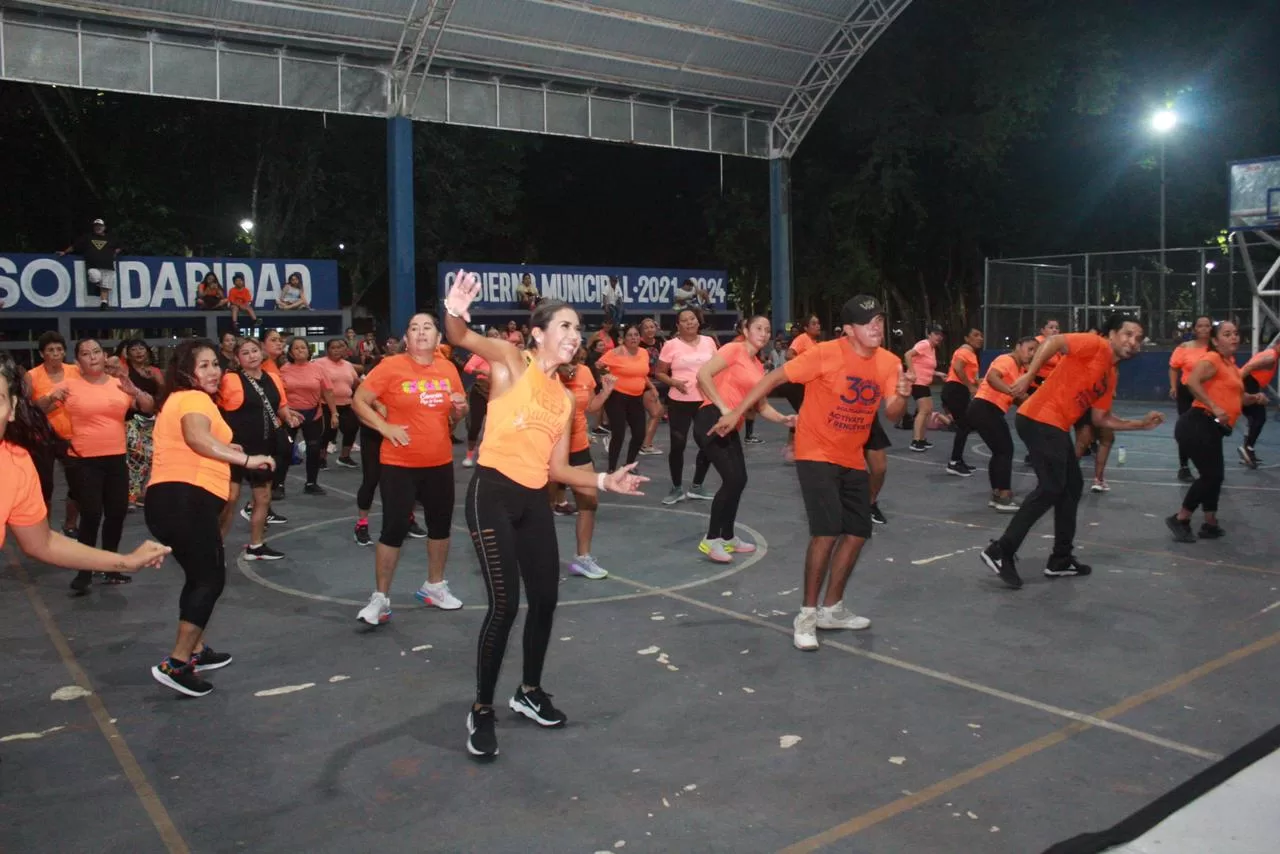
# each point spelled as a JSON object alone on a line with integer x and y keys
{"x": 970, "y": 718}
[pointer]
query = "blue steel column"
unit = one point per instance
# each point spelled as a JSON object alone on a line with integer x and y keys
{"x": 780, "y": 239}
{"x": 400, "y": 222}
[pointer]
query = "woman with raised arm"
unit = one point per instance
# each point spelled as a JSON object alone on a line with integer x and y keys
{"x": 526, "y": 444}
{"x": 23, "y": 430}
{"x": 190, "y": 481}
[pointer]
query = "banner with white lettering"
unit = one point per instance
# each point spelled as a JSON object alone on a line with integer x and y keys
{"x": 644, "y": 289}
{"x": 60, "y": 284}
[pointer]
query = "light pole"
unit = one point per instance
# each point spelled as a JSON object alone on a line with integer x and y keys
{"x": 1162, "y": 122}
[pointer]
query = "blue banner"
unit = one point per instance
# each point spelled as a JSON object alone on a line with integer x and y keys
{"x": 60, "y": 284}
{"x": 644, "y": 289}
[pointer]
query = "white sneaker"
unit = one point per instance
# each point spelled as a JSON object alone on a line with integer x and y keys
{"x": 1100, "y": 486}
{"x": 739, "y": 545}
{"x": 715, "y": 550}
{"x": 650, "y": 451}
{"x": 333, "y": 447}
{"x": 840, "y": 617}
{"x": 586, "y": 566}
{"x": 377, "y": 612}
{"x": 468, "y": 461}
{"x": 438, "y": 595}
{"x": 806, "y": 630}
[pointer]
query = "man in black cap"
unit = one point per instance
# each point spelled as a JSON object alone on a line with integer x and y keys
{"x": 846, "y": 382}
{"x": 99, "y": 253}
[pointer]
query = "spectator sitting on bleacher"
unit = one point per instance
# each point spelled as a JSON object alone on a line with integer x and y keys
{"x": 240, "y": 298}
{"x": 527, "y": 294}
{"x": 99, "y": 253}
{"x": 689, "y": 295}
{"x": 291, "y": 297}
{"x": 211, "y": 296}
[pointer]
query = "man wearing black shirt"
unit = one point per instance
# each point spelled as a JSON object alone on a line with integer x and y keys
{"x": 99, "y": 253}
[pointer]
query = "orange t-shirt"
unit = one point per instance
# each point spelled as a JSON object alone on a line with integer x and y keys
{"x": 631, "y": 371}
{"x": 1047, "y": 367}
{"x": 802, "y": 343}
{"x": 1225, "y": 387}
{"x": 524, "y": 425}
{"x": 1005, "y": 367}
{"x": 173, "y": 461}
{"x": 239, "y": 296}
{"x": 21, "y": 501}
{"x": 1264, "y": 377}
{"x": 1184, "y": 358}
{"x": 97, "y": 417}
{"x": 417, "y": 397}
{"x": 741, "y": 372}
{"x": 583, "y": 387}
{"x": 842, "y": 396}
{"x": 968, "y": 363}
{"x": 444, "y": 351}
{"x": 1086, "y": 380}
{"x": 41, "y": 385}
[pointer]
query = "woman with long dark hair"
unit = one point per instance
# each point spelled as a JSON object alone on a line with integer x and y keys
{"x": 1183, "y": 358}
{"x": 190, "y": 479}
{"x": 49, "y": 393}
{"x": 629, "y": 363}
{"x": 135, "y": 356}
{"x": 311, "y": 396}
{"x": 97, "y": 402}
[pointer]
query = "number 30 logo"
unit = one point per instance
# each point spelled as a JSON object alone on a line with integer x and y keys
{"x": 861, "y": 391}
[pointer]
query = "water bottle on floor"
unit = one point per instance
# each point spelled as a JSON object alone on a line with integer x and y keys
{"x": 1120, "y": 455}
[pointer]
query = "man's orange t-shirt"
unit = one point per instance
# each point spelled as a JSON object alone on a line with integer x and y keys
{"x": 968, "y": 363}
{"x": 1084, "y": 380}
{"x": 842, "y": 396}
{"x": 1005, "y": 367}
{"x": 417, "y": 397}
{"x": 173, "y": 461}
{"x": 583, "y": 387}
{"x": 41, "y": 385}
{"x": 631, "y": 371}
{"x": 97, "y": 417}
{"x": 1225, "y": 387}
{"x": 21, "y": 501}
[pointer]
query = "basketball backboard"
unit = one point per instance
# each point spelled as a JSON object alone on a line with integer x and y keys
{"x": 1255, "y": 194}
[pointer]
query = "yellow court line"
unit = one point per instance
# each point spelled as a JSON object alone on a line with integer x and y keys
{"x": 151, "y": 802}
{"x": 901, "y": 805}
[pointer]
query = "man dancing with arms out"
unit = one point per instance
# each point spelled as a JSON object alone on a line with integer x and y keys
{"x": 1085, "y": 380}
{"x": 845, "y": 381}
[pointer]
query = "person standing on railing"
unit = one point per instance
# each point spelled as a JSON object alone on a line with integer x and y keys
{"x": 99, "y": 252}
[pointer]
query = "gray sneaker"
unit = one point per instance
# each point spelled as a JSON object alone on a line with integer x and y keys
{"x": 675, "y": 496}
{"x": 700, "y": 492}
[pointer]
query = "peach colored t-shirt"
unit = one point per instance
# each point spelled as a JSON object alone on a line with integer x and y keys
{"x": 21, "y": 501}
{"x": 97, "y": 417}
{"x": 685, "y": 359}
{"x": 307, "y": 382}
{"x": 742, "y": 371}
{"x": 342, "y": 377}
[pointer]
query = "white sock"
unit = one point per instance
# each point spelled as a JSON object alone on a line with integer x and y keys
{"x": 806, "y": 611}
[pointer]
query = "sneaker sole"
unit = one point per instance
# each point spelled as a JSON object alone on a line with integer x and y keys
{"x": 201, "y": 668}
{"x": 1059, "y": 573}
{"x": 804, "y": 646}
{"x": 745, "y": 550}
{"x": 414, "y": 536}
{"x": 383, "y": 619}
{"x": 917, "y": 450}
{"x": 695, "y": 497}
{"x": 359, "y": 543}
{"x": 573, "y": 570}
{"x": 876, "y": 521}
{"x": 991, "y": 564}
{"x": 277, "y": 520}
{"x": 1003, "y": 508}
{"x": 248, "y": 556}
{"x": 163, "y": 678}
{"x": 957, "y": 473}
{"x": 714, "y": 559}
{"x": 427, "y": 600}
{"x": 669, "y": 501}
{"x": 521, "y": 709}
{"x": 857, "y": 628}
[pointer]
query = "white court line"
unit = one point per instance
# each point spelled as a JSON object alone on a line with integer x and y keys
{"x": 926, "y": 560}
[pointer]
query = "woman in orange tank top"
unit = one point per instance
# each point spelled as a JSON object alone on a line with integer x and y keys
{"x": 1218, "y": 395}
{"x": 526, "y": 444}
{"x": 47, "y": 389}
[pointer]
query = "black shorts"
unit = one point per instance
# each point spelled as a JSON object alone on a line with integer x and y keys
{"x": 253, "y": 477}
{"x": 582, "y": 458}
{"x": 919, "y": 392}
{"x": 878, "y": 440}
{"x": 836, "y": 499}
{"x": 403, "y": 487}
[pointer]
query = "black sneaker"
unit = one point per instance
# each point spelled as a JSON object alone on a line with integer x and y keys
{"x": 918, "y": 447}
{"x": 82, "y": 581}
{"x": 601, "y": 431}
{"x": 1002, "y": 565}
{"x": 277, "y": 493}
{"x": 482, "y": 741}
{"x": 1181, "y": 530}
{"x": 415, "y": 530}
{"x": 753, "y": 440}
{"x": 959, "y": 469}
{"x": 876, "y": 516}
{"x": 274, "y": 518}
{"x": 114, "y": 578}
{"x": 262, "y": 552}
{"x": 103, "y": 306}
{"x": 208, "y": 659}
{"x": 181, "y": 678}
{"x": 313, "y": 489}
{"x": 927, "y": 444}
{"x": 362, "y": 534}
{"x": 1185, "y": 475}
{"x": 1063, "y": 567}
{"x": 1247, "y": 456}
{"x": 348, "y": 463}
{"x": 1211, "y": 532}
{"x": 536, "y": 706}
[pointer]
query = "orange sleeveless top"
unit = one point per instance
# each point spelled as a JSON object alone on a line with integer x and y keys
{"x": 522, "y": 427}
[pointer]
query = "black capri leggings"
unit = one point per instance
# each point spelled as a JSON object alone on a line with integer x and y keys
{"x": 955, "y": 397}
{"x": 312, "y": 430}
{"x": 1201, "y": 438}
{"x": 370, "y": 466}
{"x": 478, "y": 407}
{"x": 348, "y": 426}
{"x": 185, "y": 518}
{"x": 102, "y": 488}
{"x": 625, "y": 410}
{"x": 1255, "y": 413}
{"x": 989, "y": 422}
{"x": 1184, "y": 400}
{"x": 401, "y": 487}
{"x": 680, "y": 415}
{"x": 725, "y": 453}
{"x": 515, "y": 538}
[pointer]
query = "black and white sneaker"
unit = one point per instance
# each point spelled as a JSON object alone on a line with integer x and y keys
{"x": 482, "y": 741}
{"x": 918, "y": 447}
{"x": 1002, "y": 565}
{"x": 416, "y": 531}
{"x": 959, "y": 469}
{"x": 313, "y": 489}
{"x": 181, "y": 678}
{"x": 209, "y": 659}
{"x": 347, "y": 463}
{"x": 274, "y": 518}
{"x": 876, "y": 516}
{"x": 1065, "y": 567}
{"x": 1247, "y": 456}
{"x": 361, "y": 534}
{"x": 262, "y": 552}
{"x": 536, "y": 706}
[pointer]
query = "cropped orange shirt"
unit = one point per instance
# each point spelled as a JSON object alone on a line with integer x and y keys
{"x": 524, "y": 425}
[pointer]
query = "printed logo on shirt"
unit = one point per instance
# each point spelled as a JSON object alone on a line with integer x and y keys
{"x": 1088, "y": 397}
{"x": 858, "y": 406}
{"x": 98, "y": 244}
{"x": 862, "y": 391}
{"x": 429, "y": 392}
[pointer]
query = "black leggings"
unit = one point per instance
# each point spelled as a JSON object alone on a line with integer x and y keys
{"x": 370, "y": 466}
{"x": 313, "y": 430}
{"x": 989, "y": 422}
{"x": 401, "y": 487}
{"x": 348, "y": 426}
{"x": 478, "y": 407}
{"x": 1185, "y": 399}
{"x": 955, "y": 397}
{"x": 515, "y": 537}
{"x": 185, "y": 518}
{"x": 725, "y": 453}
{"x": 102, "y": 488}
{"x": 625, "y": 410}
{"x": 1254, "y": 413}
{"x": 1059, "y": 485}
{"x": 1199, "y": 435}
{"x": 679, "y": 418}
